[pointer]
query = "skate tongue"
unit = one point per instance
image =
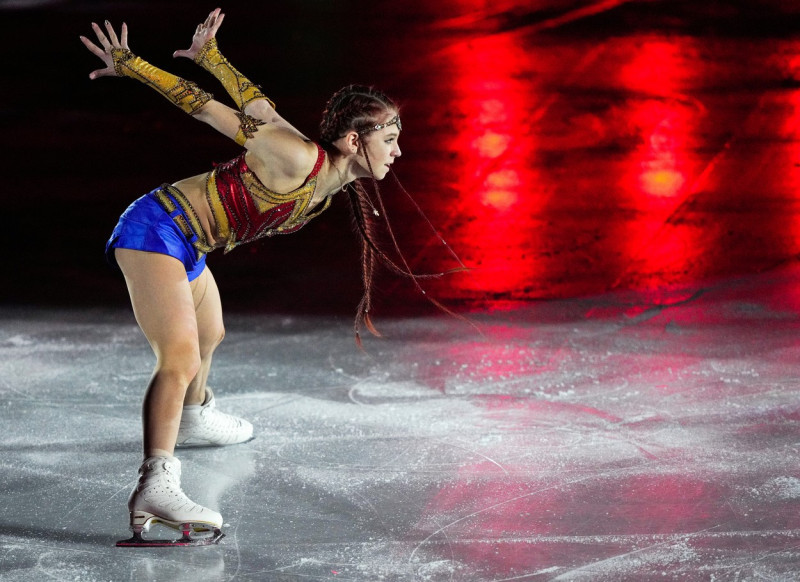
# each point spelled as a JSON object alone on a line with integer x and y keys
{"x": 158, "y": 454}
{"x": 167, "y": 463}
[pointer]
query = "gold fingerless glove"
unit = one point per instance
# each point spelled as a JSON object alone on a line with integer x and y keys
{"x": 181, "y": 92}
{"x": 237, "y": 85}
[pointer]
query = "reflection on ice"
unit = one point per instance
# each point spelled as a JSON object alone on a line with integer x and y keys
{"x": 574, "y": 440}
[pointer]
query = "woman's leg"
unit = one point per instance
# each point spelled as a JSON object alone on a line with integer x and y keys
{"x": 210, "y": 328}
{"x": 202, "y": 424}
{"x": 164, "y": 307}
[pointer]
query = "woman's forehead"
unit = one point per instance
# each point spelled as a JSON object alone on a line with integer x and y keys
{"x": 388, "y": 119}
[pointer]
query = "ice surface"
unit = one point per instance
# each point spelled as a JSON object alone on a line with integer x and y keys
{"x": 616, "y": 437}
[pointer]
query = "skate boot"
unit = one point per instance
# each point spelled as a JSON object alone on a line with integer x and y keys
{"x": 202, "y": 425}
{"x": 158, "y": 498}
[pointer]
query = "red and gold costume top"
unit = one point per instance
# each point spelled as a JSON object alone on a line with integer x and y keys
{"x": 245, "y": 210}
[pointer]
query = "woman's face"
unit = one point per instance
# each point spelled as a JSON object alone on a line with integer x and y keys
{"x": 382, "y": 146}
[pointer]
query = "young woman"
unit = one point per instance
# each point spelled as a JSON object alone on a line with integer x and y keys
{"x": 280, "y": 182}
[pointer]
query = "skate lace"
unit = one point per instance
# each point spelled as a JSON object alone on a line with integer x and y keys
{"x": 163, "y": 484}
{"x": 219, "y": 421}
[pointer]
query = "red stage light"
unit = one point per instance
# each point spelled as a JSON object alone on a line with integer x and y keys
{"x": 499, "y": 193}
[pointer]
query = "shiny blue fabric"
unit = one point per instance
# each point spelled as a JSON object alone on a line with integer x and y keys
{"x": 146, "y": 226}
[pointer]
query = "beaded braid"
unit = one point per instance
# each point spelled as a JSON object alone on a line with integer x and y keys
{"x": 357, "y": 107}
{"x": 365, "y": 227}
{"x": 406, "y": 268}
{"x": 352, "y": 107}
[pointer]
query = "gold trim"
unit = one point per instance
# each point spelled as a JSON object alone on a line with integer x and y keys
{"x": 165, "y": 201}
{"x": 264, "y": 201}
{"x": 239, "y": 87}
{"x": 188, "y": 222}
{"x": 218, "y": 211}
{"x": 248, "y": 126}
{"x": 185, "y": 94}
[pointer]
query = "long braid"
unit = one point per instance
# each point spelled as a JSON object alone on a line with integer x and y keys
{"x": 357, "y": 107}
{"x": 364, "y": 225}
{"x": 415, "y": 277}
{"x": 365, "y": 209}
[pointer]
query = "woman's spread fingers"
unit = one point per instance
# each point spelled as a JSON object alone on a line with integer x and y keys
{"x": 100, "y": 36}
{"x": 93, "y": 48}
{"x": 112, "y": 35}
{"x": 218, "y": 23}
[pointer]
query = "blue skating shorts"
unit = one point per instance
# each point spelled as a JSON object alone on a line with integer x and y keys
{"x": 146, "y": 226}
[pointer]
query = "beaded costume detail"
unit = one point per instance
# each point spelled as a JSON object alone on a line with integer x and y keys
{"x": 175, "y": 203}
{"x": 245, "y": 210}
{"x": 185, "y": 94}
{"x": 239, "y": 87}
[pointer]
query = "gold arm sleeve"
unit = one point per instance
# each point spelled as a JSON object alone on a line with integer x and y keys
{"x": 237, "y": 85}
{"x": 180, "y": 92}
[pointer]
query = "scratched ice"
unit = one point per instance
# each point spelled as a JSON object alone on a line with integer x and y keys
{"x": 567, "y": 443}
{"x": 564, "y": 147}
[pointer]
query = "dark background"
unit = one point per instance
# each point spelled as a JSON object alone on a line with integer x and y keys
{"x": 77, "y": 152}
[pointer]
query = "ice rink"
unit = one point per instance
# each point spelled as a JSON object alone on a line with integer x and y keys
{"x": 625, "y": 436}
{"x": 621, "y": 177}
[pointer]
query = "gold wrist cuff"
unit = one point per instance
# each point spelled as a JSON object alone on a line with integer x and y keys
{"x": 180, "y": 92}
{"x": 239, "y": 87}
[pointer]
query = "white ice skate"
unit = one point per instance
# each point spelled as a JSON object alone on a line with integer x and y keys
{"x": 202, "y": 425}
{"x": 158, "y": 498}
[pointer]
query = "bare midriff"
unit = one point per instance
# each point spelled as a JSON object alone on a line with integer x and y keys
{"x": 194, "y": 189}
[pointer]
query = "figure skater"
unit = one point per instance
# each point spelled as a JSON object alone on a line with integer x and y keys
{"x": 277, "y": 185}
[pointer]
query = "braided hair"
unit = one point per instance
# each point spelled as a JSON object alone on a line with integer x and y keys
{"x": 359, "y": 108}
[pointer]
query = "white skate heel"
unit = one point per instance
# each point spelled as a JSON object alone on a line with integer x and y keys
{"x": 202, "y": 425}
{"x": 158, "y": 498}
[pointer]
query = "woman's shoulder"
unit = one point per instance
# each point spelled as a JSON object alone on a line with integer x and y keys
{"x": 286, "y": 151}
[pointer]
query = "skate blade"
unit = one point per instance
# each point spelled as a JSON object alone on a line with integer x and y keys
{"x": 203, "y": 444}
{"x": 194, "y": 534}
{"x": 137, "y": 541}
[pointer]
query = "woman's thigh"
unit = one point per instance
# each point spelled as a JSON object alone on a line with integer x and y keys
{"x": 162, "y": 301}
{"x": 208, "y": 310}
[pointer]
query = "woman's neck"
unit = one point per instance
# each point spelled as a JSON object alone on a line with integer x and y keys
{"x": 338, "y": 174}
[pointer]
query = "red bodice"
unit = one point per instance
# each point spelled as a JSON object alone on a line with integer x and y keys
{"x": 246, "y": 210}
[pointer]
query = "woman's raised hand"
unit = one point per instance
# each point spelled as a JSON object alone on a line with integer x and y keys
{"x": 107, "y": 43}
{"x": 204, "y": 32}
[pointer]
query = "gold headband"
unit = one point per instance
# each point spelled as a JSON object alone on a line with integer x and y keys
{"x": 394, "y": 121}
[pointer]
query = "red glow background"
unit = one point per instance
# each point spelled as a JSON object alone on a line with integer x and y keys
{"x": 578, "y": 167}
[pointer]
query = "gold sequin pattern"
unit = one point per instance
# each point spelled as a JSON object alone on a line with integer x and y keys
{"x": 264, "y": 201}
{"x": 248, "y": 126}
{"x": 218, "y": 211}
{"x": 239, "y": 87}
{"x": 185, "y": 94}
{"x": 189, "y": 221}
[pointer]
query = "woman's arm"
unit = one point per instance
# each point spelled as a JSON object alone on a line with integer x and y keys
{"x": 121, "y": 62}
{"x": 247, "y": 95}
{"x": 289, "y": 154}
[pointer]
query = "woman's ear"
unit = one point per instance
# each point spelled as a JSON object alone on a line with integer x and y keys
{"x": 352, "y": 142}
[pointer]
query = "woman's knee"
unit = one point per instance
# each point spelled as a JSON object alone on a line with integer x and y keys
{"x": 213, "y": 338}
{"x": 179, "y": 361}
{"x": 219, "y": 333}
